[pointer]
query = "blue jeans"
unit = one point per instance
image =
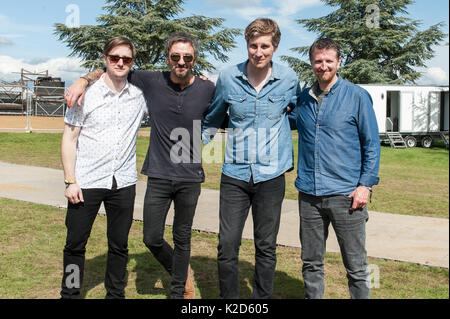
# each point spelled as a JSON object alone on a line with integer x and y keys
{"x": 236, "y": 198}
{"x": 158, "y": 197}
{"x": 316, "y": 213}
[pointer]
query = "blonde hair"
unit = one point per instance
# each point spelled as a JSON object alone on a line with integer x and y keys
{"x": 263, "y": 26}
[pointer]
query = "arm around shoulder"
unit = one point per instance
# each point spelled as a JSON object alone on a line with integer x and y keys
{"x": 75, "y": 93}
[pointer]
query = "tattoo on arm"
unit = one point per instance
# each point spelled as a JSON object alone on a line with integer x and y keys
{"x": 93, "y": 76}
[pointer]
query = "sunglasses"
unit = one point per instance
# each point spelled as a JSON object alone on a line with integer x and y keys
{"x": 115, "y": 59}
{"x": 176, "y": 57}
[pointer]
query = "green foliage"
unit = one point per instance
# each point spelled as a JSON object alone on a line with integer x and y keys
{"x": 386, "y": 53}
{"x": 148, "y": 23}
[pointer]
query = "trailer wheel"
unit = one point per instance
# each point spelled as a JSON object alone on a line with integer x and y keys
{"x": 410, "y": 141}
{"x": 427, "y": 141}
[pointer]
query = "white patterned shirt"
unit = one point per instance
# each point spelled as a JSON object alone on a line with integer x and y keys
{"x": 106, "y": 146}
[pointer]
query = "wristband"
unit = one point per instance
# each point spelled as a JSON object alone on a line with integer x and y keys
{"x": 69, "y": 182}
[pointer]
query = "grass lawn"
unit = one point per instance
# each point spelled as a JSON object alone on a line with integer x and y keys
{"x": 412, "y": 181}
{"x": 33, "y": 236}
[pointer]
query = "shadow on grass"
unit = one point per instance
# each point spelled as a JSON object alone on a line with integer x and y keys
{"x": 151, "y": 278}
{"x": 207, "y": 282}
{"x": 152, "y": 281}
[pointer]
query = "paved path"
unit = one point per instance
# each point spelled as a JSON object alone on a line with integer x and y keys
{"x": 422, "y": 240}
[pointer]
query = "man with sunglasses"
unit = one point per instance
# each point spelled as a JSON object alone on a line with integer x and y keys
{"x": 256, "y": 93}
{"x": 177, "y": 102}
{"x": 99, "y": 159}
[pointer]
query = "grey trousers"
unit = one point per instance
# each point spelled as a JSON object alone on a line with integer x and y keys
{"x": 316, "y": 213}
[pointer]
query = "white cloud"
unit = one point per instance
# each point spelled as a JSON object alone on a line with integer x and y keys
{"x": 251, "y": 13}
{"x": 5, "y": 41}
{"x": 233, "y": 3}
{"x": 252, "y": 9}
{"x": 68, "y": 69}
{"x": 290, "y": 7}
{"x": 435, "y": 76}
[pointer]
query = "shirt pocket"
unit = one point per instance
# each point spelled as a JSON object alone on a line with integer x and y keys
{"x": 275, "y": 107}
{"x": 238, "y": 107}
{"x": 338, "y": 120}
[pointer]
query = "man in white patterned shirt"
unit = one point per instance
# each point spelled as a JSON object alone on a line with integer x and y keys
{"x": 99, "y": 160}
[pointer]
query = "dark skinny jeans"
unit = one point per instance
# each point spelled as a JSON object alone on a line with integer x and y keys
{"x": 236, "y": 198}
{"x": 158, "y": 197}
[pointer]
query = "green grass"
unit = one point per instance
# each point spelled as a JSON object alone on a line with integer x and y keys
{"x": 412, "y": 181}
{"x": 33, "y": 237}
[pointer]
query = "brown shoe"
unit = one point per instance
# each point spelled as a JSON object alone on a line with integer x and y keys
{"x": 189, "y": 289}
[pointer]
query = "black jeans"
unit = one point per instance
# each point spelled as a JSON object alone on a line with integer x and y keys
{"x": 236, "y": 198}
{"x": 158, "y": 197}
{"x": 119, "y": 206}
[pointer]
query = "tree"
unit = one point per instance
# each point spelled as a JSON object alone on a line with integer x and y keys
{"x": 379, "y": 43}
{"x": 147, "y": 23}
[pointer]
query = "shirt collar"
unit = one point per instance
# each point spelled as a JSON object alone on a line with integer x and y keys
{"x": 242, "y": 71}
{"x": 333, "y": 88}
{"x": 106, "y": 90}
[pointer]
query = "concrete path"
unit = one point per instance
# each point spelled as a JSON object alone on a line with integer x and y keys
{"x": 422, "y": 240}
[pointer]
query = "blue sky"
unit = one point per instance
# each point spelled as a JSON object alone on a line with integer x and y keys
{"x": 27, "y": 39}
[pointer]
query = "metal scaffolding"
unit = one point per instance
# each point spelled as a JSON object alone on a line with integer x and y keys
{"x": 35, "y": 94}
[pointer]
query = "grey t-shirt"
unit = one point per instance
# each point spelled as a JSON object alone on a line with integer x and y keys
{"x": 320, "y": 94}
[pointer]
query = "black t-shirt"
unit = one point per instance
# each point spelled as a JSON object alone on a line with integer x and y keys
{"x": 174, "y": 151}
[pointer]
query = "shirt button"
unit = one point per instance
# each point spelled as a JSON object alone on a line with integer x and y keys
{"x": 317, "y": 139}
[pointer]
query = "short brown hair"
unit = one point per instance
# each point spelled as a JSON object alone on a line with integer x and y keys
{"x": 325, "y": 43}
{"x": 263, "y": 26}
{"x": 116, "y": 41}
{"x": 182, "y": 36}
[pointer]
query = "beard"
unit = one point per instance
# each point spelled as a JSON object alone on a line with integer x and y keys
{"x": 181, "y": 75}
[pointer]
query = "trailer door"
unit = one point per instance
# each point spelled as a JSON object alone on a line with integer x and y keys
{"x": 406, "y": 111}
{"x": 444, "y": 111}
{"x": 434, "y": 106}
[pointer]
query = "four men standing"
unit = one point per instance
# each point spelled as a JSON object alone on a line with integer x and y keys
{"x": 338, "y": 159}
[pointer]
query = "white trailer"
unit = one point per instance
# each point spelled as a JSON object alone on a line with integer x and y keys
{"x": 408, "y": 115}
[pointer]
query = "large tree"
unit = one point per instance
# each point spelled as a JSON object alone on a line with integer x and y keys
{"x": 147, "y": 23}
{"x": 380, "y": 43}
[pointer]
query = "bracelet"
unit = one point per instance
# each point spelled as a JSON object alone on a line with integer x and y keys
{"x": 87, "y": 79}
{"x": 68, "y": 182}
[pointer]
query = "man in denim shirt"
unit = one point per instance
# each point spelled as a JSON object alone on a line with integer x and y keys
{"x": 338, "y": 162}
{"x": 256, "y": 94}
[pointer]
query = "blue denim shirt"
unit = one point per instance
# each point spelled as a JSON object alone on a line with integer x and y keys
{"x": 338, "y": 143}
{"x": 259, "y": 141}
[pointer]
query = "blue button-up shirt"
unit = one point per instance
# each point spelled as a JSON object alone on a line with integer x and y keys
{"x": 338, "y": 142}
{"x": 259, "y": 142}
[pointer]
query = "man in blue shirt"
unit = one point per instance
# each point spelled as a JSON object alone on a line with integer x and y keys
{"x": 256, "y": 95}
{"x": 338, "y": 162}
